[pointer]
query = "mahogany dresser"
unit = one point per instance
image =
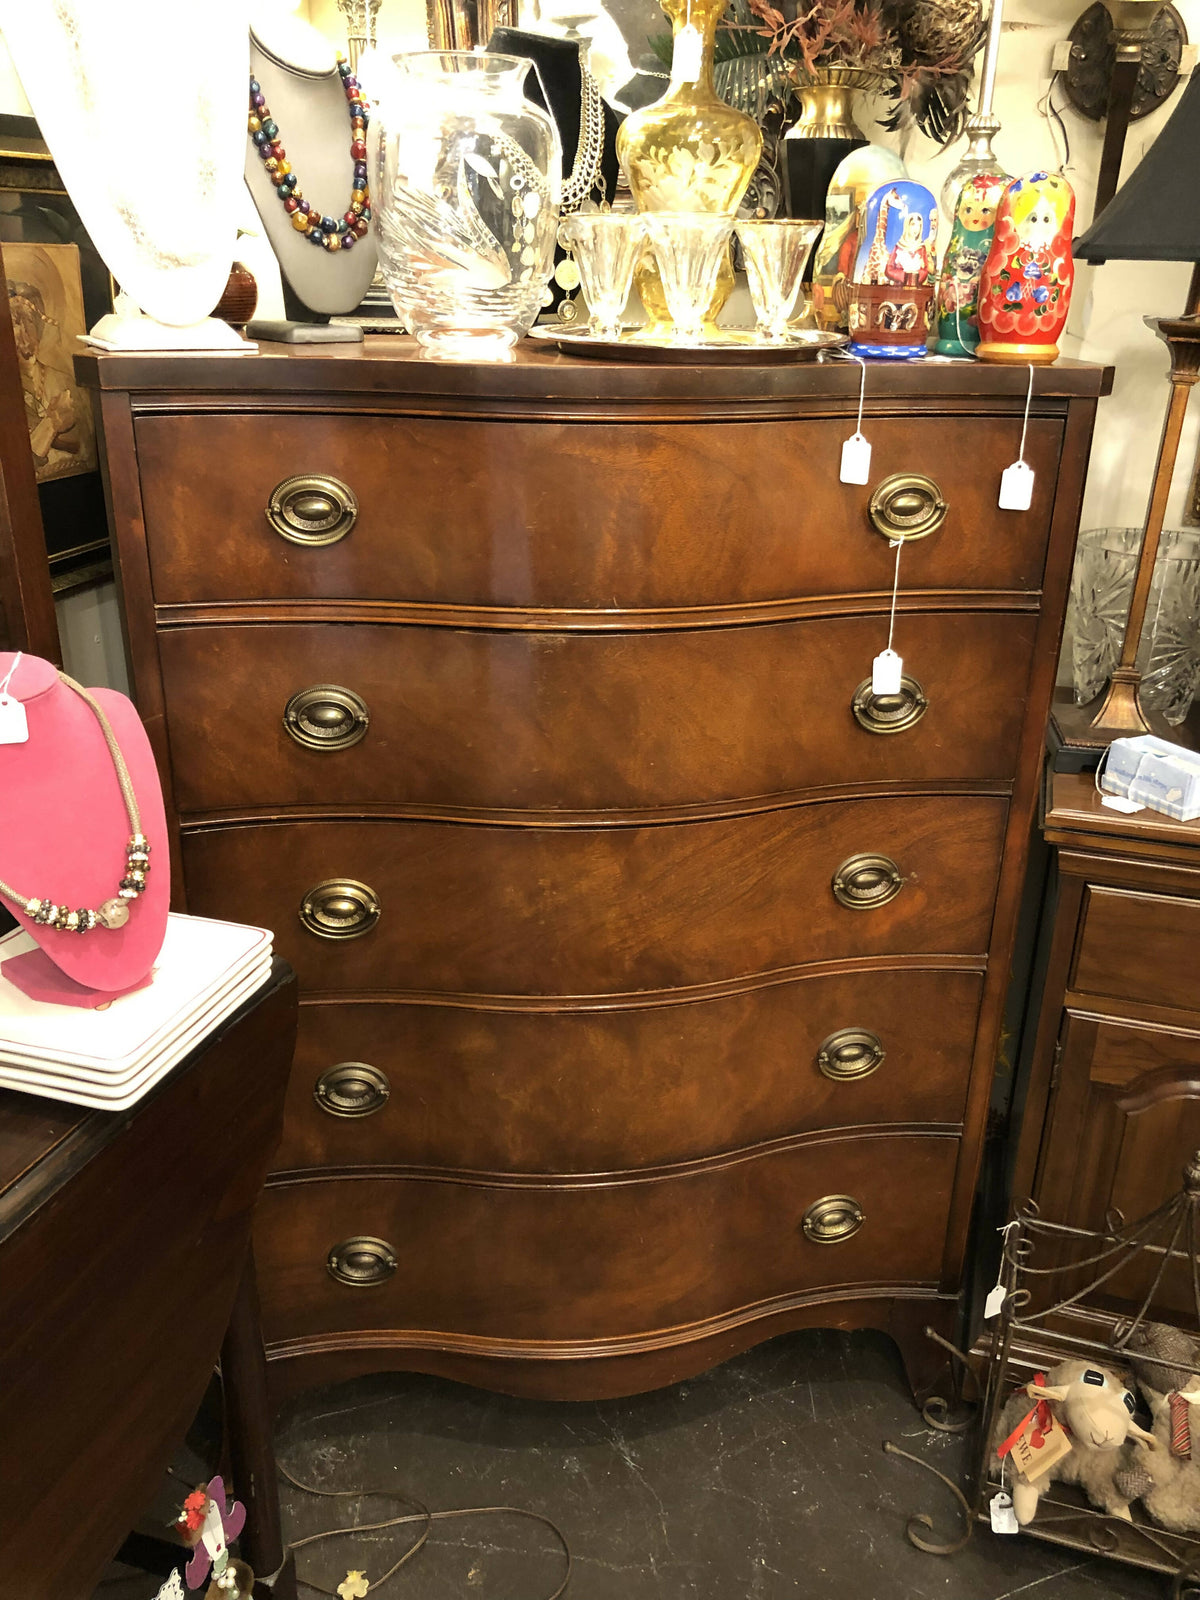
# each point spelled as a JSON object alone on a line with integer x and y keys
{"x": 651, "y": 967}
{"x": 1112, "y": 1109}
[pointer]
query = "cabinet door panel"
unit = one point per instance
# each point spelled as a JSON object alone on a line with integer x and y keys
{"x": 1123, "y": 1124}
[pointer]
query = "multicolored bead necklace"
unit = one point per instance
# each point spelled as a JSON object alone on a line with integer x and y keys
{"x": 345, "y": 232}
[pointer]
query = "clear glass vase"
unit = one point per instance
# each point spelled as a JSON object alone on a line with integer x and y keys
{"x": 1101, "y": 586}
{"x": 467, "y": 190}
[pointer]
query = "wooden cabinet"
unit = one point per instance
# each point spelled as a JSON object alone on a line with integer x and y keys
{"x": 1112, "y": 1114}
{"x": 651, "y": 968}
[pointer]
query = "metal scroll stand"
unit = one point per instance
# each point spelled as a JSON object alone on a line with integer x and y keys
{"x": 1052, "y": 1273}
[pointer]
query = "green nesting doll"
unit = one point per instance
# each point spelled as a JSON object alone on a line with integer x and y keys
{"x": 970, "y": 241}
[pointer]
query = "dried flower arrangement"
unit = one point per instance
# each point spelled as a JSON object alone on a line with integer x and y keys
{"x": 923, "y": 50}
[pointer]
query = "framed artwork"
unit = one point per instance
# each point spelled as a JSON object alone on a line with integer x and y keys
{"x": 45, "y": 297}
{"x": 36, "y": 210}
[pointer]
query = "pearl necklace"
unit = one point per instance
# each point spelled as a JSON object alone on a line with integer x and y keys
{"x": 113, "y": 913}
{"x": 330, "y": 234}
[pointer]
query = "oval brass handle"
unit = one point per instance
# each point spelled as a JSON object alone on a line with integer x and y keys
{"x": 865, "y": 881}
{"x": 908, "y": 505}
{"x": 340, "y": 908}
{"x": 352, "y": 1089}
{"x": 361, "y": 1262}
{"x": 312, "y": 509}
{"x": 889, "y": 713}
{"x": 833, "y": 1219}
{"x": 850, "y": 1053}
{"x": 326, "y": 717}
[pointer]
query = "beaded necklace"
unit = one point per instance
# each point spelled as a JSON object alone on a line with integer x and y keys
{"x": 328, "y": 233}
{"x": 113, "y": 913}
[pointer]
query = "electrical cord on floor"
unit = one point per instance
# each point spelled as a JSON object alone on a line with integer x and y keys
{"x": 422, "y": 1515}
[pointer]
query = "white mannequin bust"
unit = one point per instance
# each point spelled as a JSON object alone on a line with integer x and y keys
{"x": 297, "y": 70}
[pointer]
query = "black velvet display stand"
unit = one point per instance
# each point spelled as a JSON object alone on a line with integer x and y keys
{"x": 557, "y": 61}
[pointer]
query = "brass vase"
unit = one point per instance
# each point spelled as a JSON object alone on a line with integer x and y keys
{"x": 826, "y": 99}
{"x": 689, "y": 151}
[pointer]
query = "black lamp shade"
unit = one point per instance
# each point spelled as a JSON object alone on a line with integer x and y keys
{"x": 1155, "y": 216}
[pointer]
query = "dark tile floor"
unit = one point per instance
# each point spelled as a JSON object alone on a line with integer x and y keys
{"x": 763, "y": 1480}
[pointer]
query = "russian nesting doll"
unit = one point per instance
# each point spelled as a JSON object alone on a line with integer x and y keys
{"x": 855, "y": 179}
{"x": 966, "y": 254}
{"x": 891, "y": 299}
{"x": 1025, "y": 290}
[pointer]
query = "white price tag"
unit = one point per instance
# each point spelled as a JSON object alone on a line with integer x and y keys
{"x": 1118, "y": 802}
{"x": 1004, "y": 1518}
{"x": 212, "y": 1536}
{"x": 1016, "y": 487}
{"x": 14, "y": 724}
{"x": 856, "y": 459}
{"x": 885, "y": 672}
{"x": 688, "y": 56}
{"x": 994, "y": 1303}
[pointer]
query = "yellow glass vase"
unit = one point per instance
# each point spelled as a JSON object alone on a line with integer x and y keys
{"x": 689, "y": 151}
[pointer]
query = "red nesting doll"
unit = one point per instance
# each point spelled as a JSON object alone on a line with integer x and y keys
{"x": 1025, "y": 288}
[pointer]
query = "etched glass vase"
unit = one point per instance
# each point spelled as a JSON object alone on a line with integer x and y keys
{"x": 1101, "y": 586}
{"x": 467, "y": 191}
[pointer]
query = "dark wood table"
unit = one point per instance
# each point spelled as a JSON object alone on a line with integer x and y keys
{"x": 124, "y": 1272}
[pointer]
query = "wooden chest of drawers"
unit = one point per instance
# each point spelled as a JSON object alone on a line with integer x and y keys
{"x": 651, "y": 967}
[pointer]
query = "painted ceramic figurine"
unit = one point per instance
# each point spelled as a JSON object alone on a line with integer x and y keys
{"x": 966, "y": 254}
{"x": 891, "y": 299}
{"x": 855, "y": 179}
{"x": 1025, "y": 290}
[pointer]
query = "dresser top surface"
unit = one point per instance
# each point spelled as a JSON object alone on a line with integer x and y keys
{"x": 1074, "y": 807}
{"x": 390, "y": 365}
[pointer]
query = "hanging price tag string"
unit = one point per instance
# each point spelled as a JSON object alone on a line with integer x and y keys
{"x": 14, "y": 723}
{"x": 1016, "y": 482}
{"x": 7, "y": 678}
{"x": 887, "y": 667}
{"x": 856, "y": 451}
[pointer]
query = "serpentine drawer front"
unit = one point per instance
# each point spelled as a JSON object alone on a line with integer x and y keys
{"x": 651, "y": 965}
{"x": 599, "y": 517}
{"x": 511, "y": 911}
{"x": 498, "y": 1090}
{"x": 438, "y": 716}
{"x": 618, "y": 1260}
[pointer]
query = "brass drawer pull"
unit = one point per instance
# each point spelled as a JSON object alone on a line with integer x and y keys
{"x": 361, "y": 1262}
{"x": 889, "y": 713}
{"x": 312, "y": 509}
{"x": 326, "y": 717}
{"x": 352, "y": 1089}
{"x": 340, "y": 908}
{"x": 865, "y": 881}
{"x": 833, "y": 1219}
{"x": 908, "y": 505}
{"x": 849, "y": 1054}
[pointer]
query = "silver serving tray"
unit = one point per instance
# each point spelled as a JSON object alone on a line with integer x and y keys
{"x": 727, "y": 347}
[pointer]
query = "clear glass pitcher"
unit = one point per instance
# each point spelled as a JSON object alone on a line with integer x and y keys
{"x": 466, "y": 195}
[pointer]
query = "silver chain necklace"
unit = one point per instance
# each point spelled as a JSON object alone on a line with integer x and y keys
{"x": 589, "y": 152}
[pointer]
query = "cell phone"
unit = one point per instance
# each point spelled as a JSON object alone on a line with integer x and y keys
{"x": 305, "y": 332}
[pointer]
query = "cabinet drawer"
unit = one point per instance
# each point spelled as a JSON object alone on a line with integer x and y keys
{"x": 1140, "y": 947}
{"x": 606, "y": 1090}
{"x": 491, "y": 720}
{"x": 547, "y": 514}
{"x": 467, "y": 908}
{"x": 554, "y": 1263}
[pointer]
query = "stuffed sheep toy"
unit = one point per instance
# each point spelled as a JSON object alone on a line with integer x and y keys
{"x": 1095, "y": 1407}
{"x": 1168, "y": 1484}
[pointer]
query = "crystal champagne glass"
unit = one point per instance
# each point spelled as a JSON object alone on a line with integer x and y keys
{"x": 776, "y": 253}
{"x": 606, "y": 246}
{"x": 688, "y": 247}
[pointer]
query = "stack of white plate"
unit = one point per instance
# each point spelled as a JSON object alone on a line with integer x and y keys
{"x": 109, "y": 1058}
